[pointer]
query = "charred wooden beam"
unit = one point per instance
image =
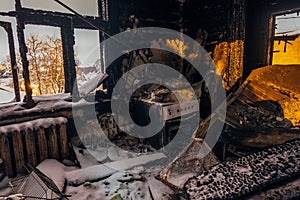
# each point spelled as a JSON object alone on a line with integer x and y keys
{"x": 114, "y": 13}
{"x": 67, "y": 34}
{"x": 171, "y": 15}
{"x": 148, "y": 22}
{"x": 8, "y": 28}
{"x": 23, "y": 53}
{"x": 50, "y": 18}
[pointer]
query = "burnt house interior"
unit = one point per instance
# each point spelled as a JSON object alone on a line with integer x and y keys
{"x": 231, "y": 132}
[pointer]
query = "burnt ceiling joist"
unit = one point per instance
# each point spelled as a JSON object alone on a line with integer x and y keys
{"x": 40, "y": 17}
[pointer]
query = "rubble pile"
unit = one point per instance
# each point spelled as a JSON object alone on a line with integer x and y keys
{"x": 133, "y": 144}
{"x": 94, "y": 138}
{"x": 246, "y": 175}
{"x": 282, "y": 83}
{"x": 187, "y": 165}
{"x": 259, "y": 117}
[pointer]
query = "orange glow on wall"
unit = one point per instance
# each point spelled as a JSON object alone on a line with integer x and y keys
{"x": 291, "y": 56}
{"x": 228, "y": 57}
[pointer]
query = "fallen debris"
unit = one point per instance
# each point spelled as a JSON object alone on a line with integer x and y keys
{"x": 36, "y": 185}
{"x": 92, "y": 84}
{"x": 187, "y": 165}
{"x": 54, "y": 171}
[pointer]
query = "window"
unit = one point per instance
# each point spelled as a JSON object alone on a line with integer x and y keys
{"x": 286, "y": 49}
{"x": 45, "y": 56}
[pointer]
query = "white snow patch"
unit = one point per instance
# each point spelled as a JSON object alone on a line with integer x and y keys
{"x": 98, "y": 172}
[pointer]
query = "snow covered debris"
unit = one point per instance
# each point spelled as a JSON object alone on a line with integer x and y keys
{"x": 131, "y": 184}
{"x": 36, "y": 185}
{"x": 92, "y": 84}
{"x": 55, "y": 171}
{"x": 98, "y": 172}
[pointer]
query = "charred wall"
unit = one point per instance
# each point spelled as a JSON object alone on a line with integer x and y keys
{"x": 216, "y": 17}
{"x": 218, "y": 24}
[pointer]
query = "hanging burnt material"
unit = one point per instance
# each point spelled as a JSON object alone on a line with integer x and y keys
{"x": 237, "y": 38}
{"x": 228, "y": 55}
{"x": 103, "y": 14}
{"x": 103, "y": 9}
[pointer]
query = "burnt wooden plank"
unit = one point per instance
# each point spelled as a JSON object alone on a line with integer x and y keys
{"x": 244, "y": 176}
{"x": 265, "y": 92}
{"x": 232, "y": 120}
{"x": 203, "y": 127}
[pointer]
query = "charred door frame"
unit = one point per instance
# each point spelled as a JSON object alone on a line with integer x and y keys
{"x": 67, "y": 23}
{"x": 12, "y": 54}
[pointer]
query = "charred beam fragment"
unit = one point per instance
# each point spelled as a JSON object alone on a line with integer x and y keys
{"x": 286, "y": 37}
